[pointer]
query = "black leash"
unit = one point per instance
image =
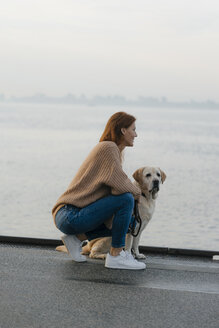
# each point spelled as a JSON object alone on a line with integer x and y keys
{"x": 136, "y": 220}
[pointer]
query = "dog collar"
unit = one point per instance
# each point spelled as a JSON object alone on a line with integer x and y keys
{"x": 143, "y": 195}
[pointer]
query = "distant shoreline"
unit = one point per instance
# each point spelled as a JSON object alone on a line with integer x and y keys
{"x": 112, "y": 100}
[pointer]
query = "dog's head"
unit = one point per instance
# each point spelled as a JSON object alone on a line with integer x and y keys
{"x": 149, "y": 179}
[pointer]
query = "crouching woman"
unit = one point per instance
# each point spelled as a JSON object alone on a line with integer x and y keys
{"x": 99, "y": 191}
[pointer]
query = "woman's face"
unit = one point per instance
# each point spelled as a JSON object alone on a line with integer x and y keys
{"x": 129, "y": 134}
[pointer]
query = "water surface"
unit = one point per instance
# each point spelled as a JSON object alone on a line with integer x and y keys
{"x": 42, "y": 147}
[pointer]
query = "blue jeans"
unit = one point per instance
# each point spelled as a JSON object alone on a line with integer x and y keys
{"x": 90, "y": 219}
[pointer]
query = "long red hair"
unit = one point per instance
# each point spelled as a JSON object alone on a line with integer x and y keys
{"x": 117, "y": 121}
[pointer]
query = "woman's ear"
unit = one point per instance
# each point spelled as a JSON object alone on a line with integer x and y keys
{"x": 123, "y": 130}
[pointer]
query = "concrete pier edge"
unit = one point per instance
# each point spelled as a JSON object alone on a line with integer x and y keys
{"x": 146, "y": 249}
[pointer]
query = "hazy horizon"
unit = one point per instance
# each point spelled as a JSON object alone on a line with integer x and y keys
{"x": 150, "y": 48}
{"x": 110, "y": 100}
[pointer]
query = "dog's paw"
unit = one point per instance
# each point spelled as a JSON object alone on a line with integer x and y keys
{"x": 140, "y": 256}
{"x": 94, "y": 255}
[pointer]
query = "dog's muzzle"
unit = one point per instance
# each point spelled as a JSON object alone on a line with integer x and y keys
{"x": 156, "y": 186}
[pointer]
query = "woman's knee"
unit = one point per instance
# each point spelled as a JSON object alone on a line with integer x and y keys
{"x": 128, "y": 199}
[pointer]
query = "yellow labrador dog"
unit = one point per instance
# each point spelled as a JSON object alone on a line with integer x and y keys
{"x": 148, "y": 179}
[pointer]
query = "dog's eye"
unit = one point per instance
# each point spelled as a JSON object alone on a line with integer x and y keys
{"x": 158, "y": 174}
{"x": 148, "y": 175}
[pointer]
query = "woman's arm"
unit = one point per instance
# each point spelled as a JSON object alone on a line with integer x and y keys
{"x": 120, "y": 183}
{"x": 117, "y": 178}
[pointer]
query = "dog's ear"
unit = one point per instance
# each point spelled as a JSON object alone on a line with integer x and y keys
{"x": 163, "y": 175}
{"x": 137, "y": 175}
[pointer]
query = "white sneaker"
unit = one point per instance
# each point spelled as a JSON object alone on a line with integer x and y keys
{"x": 74, "y": 247}
{"x": 124, "y": 260}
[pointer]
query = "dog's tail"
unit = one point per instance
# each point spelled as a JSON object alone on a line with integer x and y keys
{"x": 61, "y": 249}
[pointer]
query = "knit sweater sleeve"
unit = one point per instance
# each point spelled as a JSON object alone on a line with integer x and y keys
{"x": 117, "y": 178}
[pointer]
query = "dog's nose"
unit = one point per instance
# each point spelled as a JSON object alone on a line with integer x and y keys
{"x": 156, "y": 183}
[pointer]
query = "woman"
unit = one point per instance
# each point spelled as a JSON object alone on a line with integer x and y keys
{"x": 100, "y": 191}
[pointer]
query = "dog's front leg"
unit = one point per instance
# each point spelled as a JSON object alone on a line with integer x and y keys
{"x": 135, "y": 246}
{"x": 128, "y": 242}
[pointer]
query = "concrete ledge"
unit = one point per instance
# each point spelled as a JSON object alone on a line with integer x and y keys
{"x": 30, "y": 241}
{"x": 144, "y": 249}
{"x": 178, "y": 251}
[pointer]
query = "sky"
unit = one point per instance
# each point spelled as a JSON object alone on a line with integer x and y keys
{"x": 150, "y": 48}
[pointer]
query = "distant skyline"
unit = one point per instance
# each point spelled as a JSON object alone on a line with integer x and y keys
{"x": 110, "y": 100}
{"x": 151, "y": 48}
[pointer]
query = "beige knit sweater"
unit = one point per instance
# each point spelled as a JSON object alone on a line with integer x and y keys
{"x": 100, "y": 175}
